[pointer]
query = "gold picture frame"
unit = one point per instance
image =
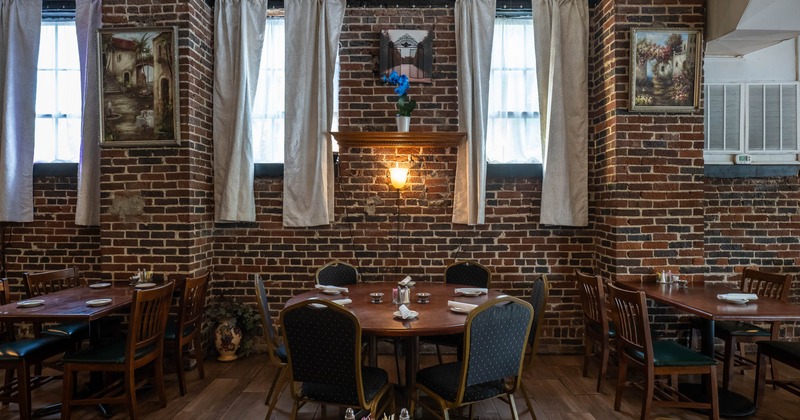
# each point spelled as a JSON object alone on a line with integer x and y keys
{"x": 138, "y": 82}
{"x": 665, "y": 70}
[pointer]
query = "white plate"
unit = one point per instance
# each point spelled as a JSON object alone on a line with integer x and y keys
{"x": 414, "y": 314}
{"x": 144, "y": 285}
{"x": 100, "y": 285}
{"x": 98, "y": 302}
{"x": 331, "y": 291}
{"x": 459, "y": 310}
{"x": 470, "y": 293}
{"x": 30, "y": 303}
{"x": 735, "y": 301}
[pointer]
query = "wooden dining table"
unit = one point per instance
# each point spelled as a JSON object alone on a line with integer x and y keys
{"x": 378, "y": 319}
{"x": 70, "y": 305}
{"x": 700, "y": 299}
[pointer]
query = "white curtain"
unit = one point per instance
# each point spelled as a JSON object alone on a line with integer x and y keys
{"x": 88, "y": 18}
{"x": 20, "y": 22}
{"x": 562, "y": 51}
{"x": 474, "y": 32}
{"x": 312, "y": 35}
{"x": 238, "y": 40}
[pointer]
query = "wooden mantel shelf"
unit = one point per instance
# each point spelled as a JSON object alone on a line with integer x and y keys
{"x": 399, "y": 139}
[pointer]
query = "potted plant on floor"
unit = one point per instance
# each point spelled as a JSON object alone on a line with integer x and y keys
{"x": 234, "y": 326}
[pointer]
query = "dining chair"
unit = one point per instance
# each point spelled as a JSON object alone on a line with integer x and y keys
{"x": 495, "y": 339}
{"x": 735, "y": 334}
{"x": 597, "y": 331}
{"x": 17, "y": 358}
{"x": 184, "y": 331}
{"x": 782, "y": 351}
{"x": 337, "y": 273}
{"x": 636, "y": 347}
{"x": 466, "y": 272}
{"x": 540, "y": 292}
{"x": 323, "y": 348}
{"x": 275, "y": 349}
{"x": 143, "y": 346}
{"x": 46, "y": 282}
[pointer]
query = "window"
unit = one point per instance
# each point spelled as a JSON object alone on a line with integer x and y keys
{"x": 752, "y": 123}
{"x": 58, "y": 94}
{"x": 513, "y": 134}
{"x": 269, "y": 104}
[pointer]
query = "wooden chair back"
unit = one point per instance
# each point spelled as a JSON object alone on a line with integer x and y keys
{"x": 468, "y": 272}
{"x": 629, "y": 311}
{"x": 44, "y": 282}
{"x": 148, "y": 320}
{"x": 193, "y": 301}
{"x": 593, "y": 302}
{"x": 763, "y": 284}
{"x": 337, "y": 273}
{"x": 6, "y": 328}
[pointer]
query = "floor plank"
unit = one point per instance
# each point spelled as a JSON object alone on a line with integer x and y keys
{"x": 559, "y": 392}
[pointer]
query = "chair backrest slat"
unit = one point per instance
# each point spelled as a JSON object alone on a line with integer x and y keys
{"x": 469, "y": 273}
{"x": 193, "y": 297}
{"x": 764, "y": 284}
{"x": 629, "y": 310}
{"x": 45, "y": 282}
{"x": 148, "y": 320}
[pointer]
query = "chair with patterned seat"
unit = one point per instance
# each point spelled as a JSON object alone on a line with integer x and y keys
{"x": 189, "y": 322}
{"x": 275, "y": 350}
{"x": 323, "y": 348}
{"x": 46, "y": 282}
{"x": 143, "y": 346}
{"x": 635, "y": 346}
{"x": 597, "y": 331}
{"x": 337, "y": 273}
{"x": 469, "y": 273}
{"x": 17, "y": 358}
{"x": 540, "y": 292}
{"x": 495, "y": 339}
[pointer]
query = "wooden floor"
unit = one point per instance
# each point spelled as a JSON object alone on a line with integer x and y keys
{"x": 237, "y": 390}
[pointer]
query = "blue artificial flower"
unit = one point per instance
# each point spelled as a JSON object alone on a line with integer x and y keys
{"x": 404, "y": 104}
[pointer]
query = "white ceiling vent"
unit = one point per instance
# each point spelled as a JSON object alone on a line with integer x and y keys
{"x": 737, "y": 27}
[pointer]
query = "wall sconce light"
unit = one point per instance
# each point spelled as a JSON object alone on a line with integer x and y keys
{"x": 399, "y": 176}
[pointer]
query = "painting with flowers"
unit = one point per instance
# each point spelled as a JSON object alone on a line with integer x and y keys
{"x": 664, "y": 70}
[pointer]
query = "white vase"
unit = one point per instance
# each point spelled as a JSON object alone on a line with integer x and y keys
{"x": 227, "y": 337}
{"x": 403, "y": 123}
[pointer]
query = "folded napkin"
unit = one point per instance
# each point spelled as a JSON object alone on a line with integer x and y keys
{"x": 461, "y": 305}
{"x": 472, "y": 290}
{"x": 406, "y": 282}
{"x": 323, "y": 287}
{"x": 342, "y": 301}
{"x": 738, "y": 296}
{"x": 405, "y": 313}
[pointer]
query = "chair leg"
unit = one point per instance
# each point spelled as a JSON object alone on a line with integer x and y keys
{"x": 587, "y": 355}
{"x": 275, "y": 378}
{"x": 158, "y": 372}
{"x": 603, "y": 365}
{"x": 727, "y": 372}
{"x": 67, "y": 393}
{"x": 527, "y": 400}
{"x": 130, "y": 391}
{"x": 761, "y": 378}
{"x": 622, "y": 375}
{"x": 397, "y": 361}
{"x": 179, "y": 368}
{"x": 199, "y": 356}
{"x": 713, "y": 414}
{"x": 649, "y": 389}
{"x": 513, "y": 405}
{"x": 23, "y": 390}
{"x": 283, "y": 382}
{"x": 439, "y": 354}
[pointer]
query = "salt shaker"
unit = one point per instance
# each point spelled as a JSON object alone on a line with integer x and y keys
{"x": 395, "y": 297}
{"x": 404, "y": 415}
{"x": 349, "y": 415}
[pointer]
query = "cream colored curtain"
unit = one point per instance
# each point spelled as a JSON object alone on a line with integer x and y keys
{"x": 20, "y": 21}
{"x": 312, "y": 36}
{"x": 88, "y": 18}
{"x": 474, "y": 33}
{"x": 238, "y": 39}
{"x": 562, "y": 49}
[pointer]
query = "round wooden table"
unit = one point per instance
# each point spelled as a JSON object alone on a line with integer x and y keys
{"x": 377, "y": 319}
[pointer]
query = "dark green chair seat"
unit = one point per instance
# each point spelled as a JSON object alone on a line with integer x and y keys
{"x": 611, "y": 332}
{"x": 444, "y": 380}
{"x": 728, "y": 328}
{"x": 33, "y": 349}
{"x": 670, "y": 353}
{"x": 373, "y": 379}
{"x": 112, "y": 354}
{"x": 76, "y": 331}
{"x": 172, "y": 327}
{"x": 786, "y": 351}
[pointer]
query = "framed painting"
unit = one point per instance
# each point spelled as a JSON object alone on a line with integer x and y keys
{"x": 407, "y": 51}
{"x": 138, "y": 82}
{"x": 665, "y": 70}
